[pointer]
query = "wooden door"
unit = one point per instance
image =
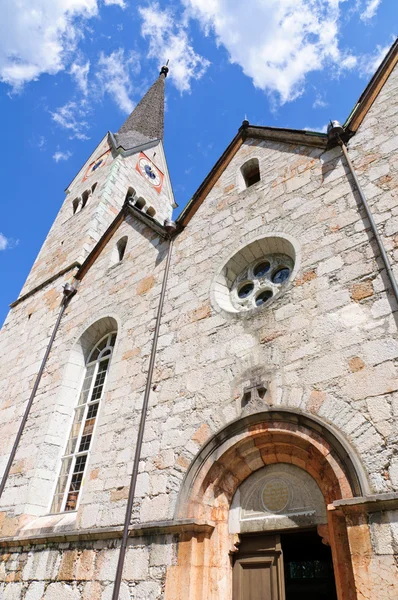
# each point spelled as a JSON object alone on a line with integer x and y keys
{"x": 258, "y": 569}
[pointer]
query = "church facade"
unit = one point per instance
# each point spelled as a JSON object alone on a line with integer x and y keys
{"x": 241, "y": 362}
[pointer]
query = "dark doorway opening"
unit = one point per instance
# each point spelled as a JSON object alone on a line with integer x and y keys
{"x": 308, "y": 567}
{"x": 283, "y": 566}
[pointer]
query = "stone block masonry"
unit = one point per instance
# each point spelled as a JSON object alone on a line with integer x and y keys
{"x": 85, "y": 571}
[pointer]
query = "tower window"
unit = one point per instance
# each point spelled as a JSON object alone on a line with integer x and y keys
{"x": 130, "y": 194}
{"x": 121, "y": 247}
{"x": 75, "y": 205}
{"x": 251, "y": 172}
{"x": 75, "y": 459}
{"x": 85, "y": 196}
{"x": 140, "y": 203}
{"x": 93, "y": 188}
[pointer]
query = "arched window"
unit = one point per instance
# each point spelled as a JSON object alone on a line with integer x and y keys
{"x": 75, "y": 458}
{"x": 85, "y": 197}
{"x": 140, "y": 203}
{"x": 121, "y": 247}
{"x": 130, "y": 196}
{"x": 251, "y": 172}
{"x": 75, "y": 205}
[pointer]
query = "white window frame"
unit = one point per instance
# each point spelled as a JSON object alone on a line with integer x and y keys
{"x": 102, "y": 356}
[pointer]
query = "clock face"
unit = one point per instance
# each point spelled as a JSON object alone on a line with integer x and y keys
{"x": 99, "y": 162}
{"x": 148, "y": 170}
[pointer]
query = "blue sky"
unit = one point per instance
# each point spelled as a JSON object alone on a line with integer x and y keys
{"x": 70, "y": 70}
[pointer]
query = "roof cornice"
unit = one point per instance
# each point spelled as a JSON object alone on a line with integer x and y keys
{"x": 126, "y": 210}
{"x": 292, "y": 136}
{"x": 372, "y": 90}
{"x": 275, "y": 134}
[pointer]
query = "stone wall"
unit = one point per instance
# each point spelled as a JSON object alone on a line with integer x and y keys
{"x": 72, "y": 571}
{"x": 128, "y": 292}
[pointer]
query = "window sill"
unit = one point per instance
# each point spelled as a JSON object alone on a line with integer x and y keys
{"x": 54, "y": 524}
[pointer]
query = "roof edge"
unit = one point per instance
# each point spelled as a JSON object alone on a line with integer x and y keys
{"x": 107, "y": 235}
{"x": 301, "y": 137}
{"x": 372, "y": 90}
{"x": 292, "y": 136}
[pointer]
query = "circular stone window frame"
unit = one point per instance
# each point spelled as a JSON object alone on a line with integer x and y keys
{"x": 253, "y": 248}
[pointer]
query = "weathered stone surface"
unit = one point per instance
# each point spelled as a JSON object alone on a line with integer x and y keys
{"x": 362, "y": 290}
{"x": 35, "y": 591}
{"x": 58, "y": 591}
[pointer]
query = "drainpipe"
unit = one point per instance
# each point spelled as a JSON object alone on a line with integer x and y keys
{"x": 68, "y": 292}
{"x": 335, "y": 130}
{"x": 170, "y": 227}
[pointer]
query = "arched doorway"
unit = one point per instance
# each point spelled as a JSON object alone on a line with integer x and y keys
{"x": 280, "y": 555}
{"x": 243, "y": 448}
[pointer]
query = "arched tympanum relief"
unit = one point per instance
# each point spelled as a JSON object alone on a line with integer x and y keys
{"x": 279, "y": 496}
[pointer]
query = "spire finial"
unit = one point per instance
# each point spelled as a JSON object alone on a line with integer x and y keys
{"x": 147, "y": 119}
{"x": 165, "y": 69}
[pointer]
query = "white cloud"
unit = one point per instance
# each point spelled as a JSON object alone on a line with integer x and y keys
{"x": 348, "y": 62}
{"x": 168, "y": 40}
{"x": 79, "y": 72}
{"x": 114, "y": 77}
{"x": 120, "y": 3}
{"x": 319, "y": 102}
{"x": 36, "y": 36}
{"x": 7, "y": 243}
{"x": 59, "y": 155}
{"x": 276, "y": 42}
{"x": 322, "y": 129}
{"x": 370, "y": 62}
{"x": 370, "y": 10}
{"x": 3, "y": 242}
{"x": 71, "y": 116}
{"x": 41, "y": 144}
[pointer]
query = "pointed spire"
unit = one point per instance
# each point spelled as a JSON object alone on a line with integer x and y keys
{"x": 146, "y": 122}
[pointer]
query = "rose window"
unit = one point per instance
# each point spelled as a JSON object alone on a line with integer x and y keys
{"x": 260, "y": 281}
{"x": 256, "y": 274}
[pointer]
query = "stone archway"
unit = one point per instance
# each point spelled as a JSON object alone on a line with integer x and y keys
{"x": 204, "y": 567}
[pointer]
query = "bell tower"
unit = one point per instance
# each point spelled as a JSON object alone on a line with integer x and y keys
{"x": 128, "y": 164}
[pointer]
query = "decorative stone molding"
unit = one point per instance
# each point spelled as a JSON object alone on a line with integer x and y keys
{"x": 367, "y": 504}
{"x": 276, "y": 497}
{"x": 265, "y": 424}
{"x": 231, "y": 274}
{"x": 178, "y": 527}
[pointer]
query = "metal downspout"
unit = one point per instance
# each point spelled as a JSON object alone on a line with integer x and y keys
{"x": 68, "y": 292}
{"x": 334, "y": 131}
{"x": 123, "y": 548}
